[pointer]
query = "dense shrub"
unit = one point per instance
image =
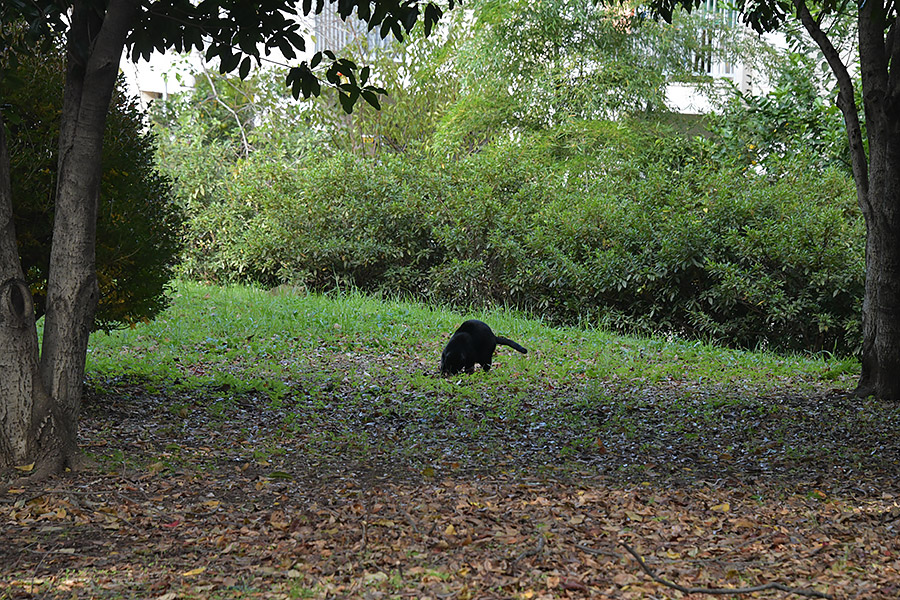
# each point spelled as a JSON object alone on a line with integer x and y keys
{"x": 622, "y": 224}
{"x": 328, "y": 222}
{"x": 138, "y": 229}
{"x": 753, "y": 261}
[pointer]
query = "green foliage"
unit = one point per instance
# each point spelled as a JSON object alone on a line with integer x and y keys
{"x": 421, "y": 77}
{"x": 713, "y": 252}
{"x": 797, "y": 117}
{"x": 322, "y": 223}
{"x": 503, "y": 185}
{"x": 529, "y": 66}
{"x": 138, "y": 226}
{"x": 623, "y": 224}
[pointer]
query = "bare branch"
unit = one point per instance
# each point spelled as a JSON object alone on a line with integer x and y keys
{"x": 237, "y": 119}
{"x": 720, "y": 591}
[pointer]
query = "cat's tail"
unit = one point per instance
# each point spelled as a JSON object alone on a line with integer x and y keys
{"x": 508, "y": 342}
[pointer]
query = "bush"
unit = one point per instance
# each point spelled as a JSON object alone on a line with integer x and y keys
{"x": 323, "y": 223}
{"x": 622, "y": 224}
{"x": 138, "y": 227}
{"x": 756, "y": 261}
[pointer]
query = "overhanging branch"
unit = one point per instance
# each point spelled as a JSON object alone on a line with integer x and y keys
{"x": 846, "y": 100}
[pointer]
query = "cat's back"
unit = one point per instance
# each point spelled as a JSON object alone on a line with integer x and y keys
{"x": 479, "y": 330}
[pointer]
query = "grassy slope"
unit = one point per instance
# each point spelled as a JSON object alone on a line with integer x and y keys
{"x": 258, "y": 334}
{"x": 352, "y": 380}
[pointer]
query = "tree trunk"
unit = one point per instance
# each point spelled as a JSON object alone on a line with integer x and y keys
{"x": 41, "y": 401}
{"x": 880, "y": 355}
{"x": 877, "y": 178}
{"x": 23, "y": 401}
{"x": 881, "y": 308}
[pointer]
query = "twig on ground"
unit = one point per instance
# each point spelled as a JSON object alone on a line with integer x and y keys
{"x": 531, "y": 552}
{"x": 411, "y": 521}
{"x": 598, "y": 551}
{"x": 364, "y": 540}
{"x": 696, "y": 590}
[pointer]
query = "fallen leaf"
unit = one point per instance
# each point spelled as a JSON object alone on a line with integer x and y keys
{"x": 371, "y": 578}
{"x": 573, "y": 584}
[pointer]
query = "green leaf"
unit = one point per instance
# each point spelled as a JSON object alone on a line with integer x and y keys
{"x": 246, "y": 64}
{"x": 229, "y": 60}
{"x": 432, "y": 15}
{"x": 371, "y": 98}
{"x": 348, "y": 101}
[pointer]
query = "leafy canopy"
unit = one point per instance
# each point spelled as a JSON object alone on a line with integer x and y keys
{"x": 240, "y": 34}
{"x": 761, "y": 15}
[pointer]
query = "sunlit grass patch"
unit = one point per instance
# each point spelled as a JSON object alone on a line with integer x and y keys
{"x": 235, "y": 335}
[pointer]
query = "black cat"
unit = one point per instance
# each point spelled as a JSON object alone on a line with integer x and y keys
{"x": 473, "y": 342}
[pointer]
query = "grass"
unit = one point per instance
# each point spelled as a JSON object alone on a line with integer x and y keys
{"x": 246, "y": 337}
{"x": 350, "y": 378}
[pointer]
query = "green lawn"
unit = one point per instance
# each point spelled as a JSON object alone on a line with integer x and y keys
{"x": 349, "y": 378}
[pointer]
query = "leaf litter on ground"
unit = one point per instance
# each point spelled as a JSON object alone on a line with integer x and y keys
{"x": 354, "y": 471}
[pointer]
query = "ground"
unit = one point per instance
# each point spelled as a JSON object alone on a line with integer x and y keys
{"x": 188, "y": 502}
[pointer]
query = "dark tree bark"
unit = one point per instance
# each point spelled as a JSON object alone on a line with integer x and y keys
{"x": 881, "y": 208}
{"x": 40, "y": 397}
{"x": 877, "y": 177}
{"x": 21, "y": 390}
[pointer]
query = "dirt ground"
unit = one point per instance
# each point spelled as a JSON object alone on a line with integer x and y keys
{"x": 212, "y": 515}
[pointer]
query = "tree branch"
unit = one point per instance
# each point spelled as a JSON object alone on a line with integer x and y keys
{"x": 846, "y": 101}
{"x": 720, "y": 591}
{"x": 237, "y": 119}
